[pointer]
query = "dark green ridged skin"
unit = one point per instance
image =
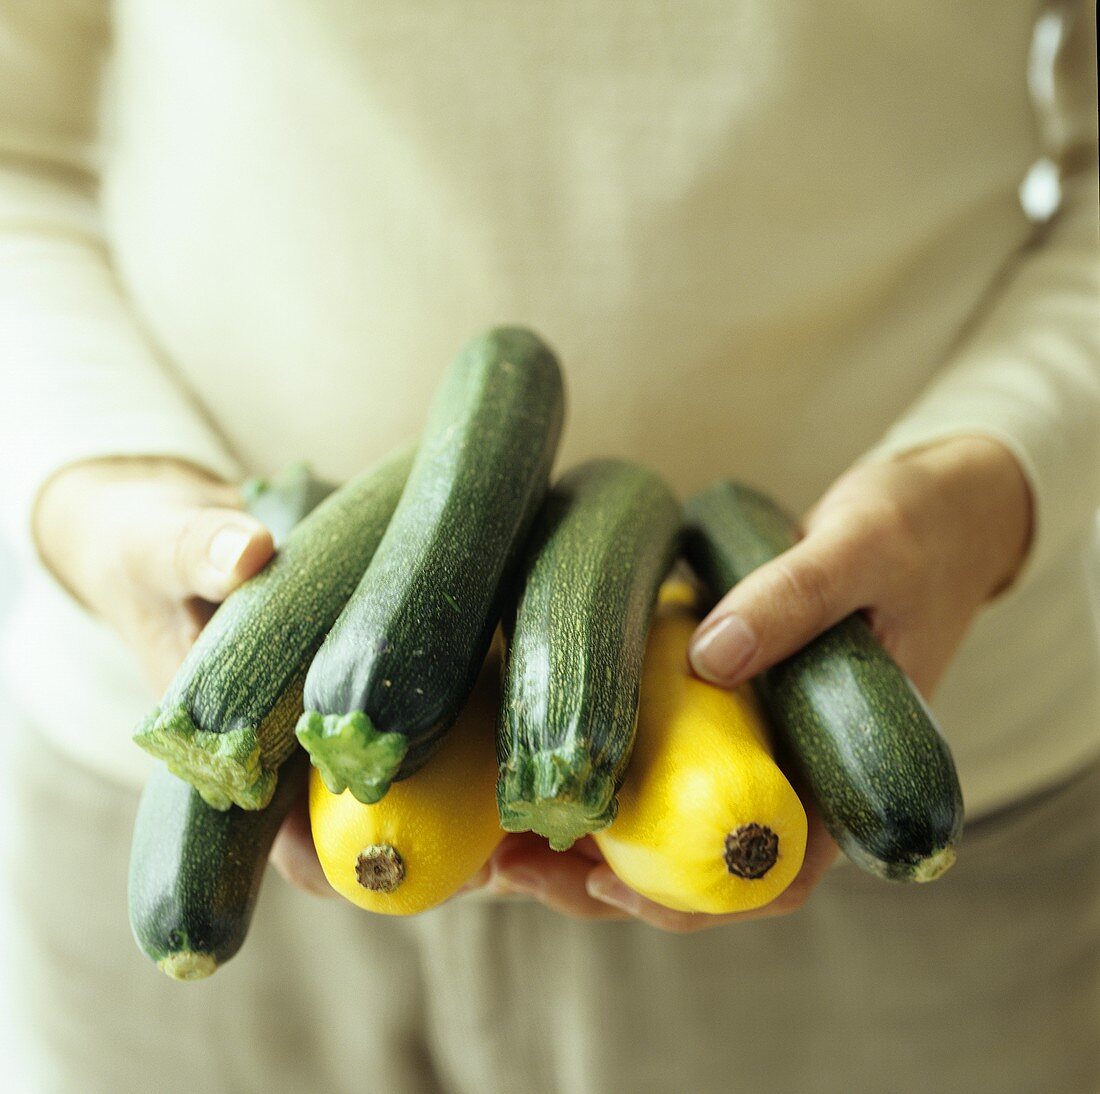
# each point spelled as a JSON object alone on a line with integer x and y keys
{"x": 880, "y": 771}
{"x": 400, "y": 661}
{"x": 227, "y": 720}
{"x": 605, "y": 539}
{"x": 280, "y": 502}
{"x": 195, "y": 871}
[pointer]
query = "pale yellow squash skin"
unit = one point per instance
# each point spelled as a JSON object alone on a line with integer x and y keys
{"x": 701, "y": 768}
{"x": 442, "y": 821}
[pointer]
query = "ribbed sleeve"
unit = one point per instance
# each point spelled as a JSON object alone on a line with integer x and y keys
{"x": 1027, "y": 371}
{"x": 78, "y": 377}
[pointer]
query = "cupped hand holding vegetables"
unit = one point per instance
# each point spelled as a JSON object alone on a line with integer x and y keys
{"x": 149, "y": 545}
{"x": 702, "y": 827}
{"x": 918, "y": 543}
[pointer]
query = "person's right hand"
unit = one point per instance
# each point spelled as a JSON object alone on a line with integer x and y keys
{"x": 150, "y": 545}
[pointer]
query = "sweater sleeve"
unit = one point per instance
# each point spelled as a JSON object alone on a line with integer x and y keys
{"x": 1027, "y": 371}
{"x": 80, "y": 379}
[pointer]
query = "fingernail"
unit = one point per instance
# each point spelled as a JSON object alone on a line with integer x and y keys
{"x": 525, "y": 880}
{"x": 611, "y": 891}
{"x": 226, "y": 549}
{"x": 723, "y": 650}
{"x": 514, "y": 880}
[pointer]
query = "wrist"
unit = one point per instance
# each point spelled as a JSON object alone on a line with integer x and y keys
{"x": 79, "y": 505}
{"x": 977, "y": 484}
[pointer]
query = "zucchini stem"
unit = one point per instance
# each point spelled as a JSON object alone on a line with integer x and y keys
{"x": 556, "y": 793}
{"x": 351, "y": 754}
{"x": 380, "y": 868}
{"x": 925, "y": 868}
{"x": 751, "y": 851}
{"x": 188, "y": 965}
{"x": 935, "y": 864}
{"x": 225, "y": 768}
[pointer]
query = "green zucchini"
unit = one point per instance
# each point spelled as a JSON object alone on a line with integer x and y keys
{"x": 279, "y": 503}
{"x": 227, "y": 720}
{"x": 400, "y": 661}
{"x": 866, "y": 743}
{"x": 195, "y": 871}
{"x": 605, "y": 539}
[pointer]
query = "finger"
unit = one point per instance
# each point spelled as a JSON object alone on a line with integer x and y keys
{"x": 160, "y": 635}
{"x": 478, "y": 881}
{"x": 778, "y": 608}
{"x": 196, "y": 613}
{"x": 821, "y": 853}
{"x": 587, "y": 848}
{"x": 164, "y": 644}
{"x": 554, "y": 878}
{"x": 204, "y": 552}
{"x": 925, "y": 645}
{"x": 294, "y": 857}
{"x": 603, "y": 886}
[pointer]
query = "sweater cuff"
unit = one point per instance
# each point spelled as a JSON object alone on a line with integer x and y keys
{"x": 150, "y": 438}
{"x": 1028, "y": 376}
{"x": 1037, "y": 443}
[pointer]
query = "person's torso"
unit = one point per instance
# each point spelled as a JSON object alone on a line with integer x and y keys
{"x": 753, "y": 231}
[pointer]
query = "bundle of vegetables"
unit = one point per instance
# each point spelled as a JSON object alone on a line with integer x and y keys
{"x": 402, "y": 657}
{"x": 395, "y": 673}
{"x": 605, "y": 539}
{"x": 707, "y": 821}
{"x": 880, "y": 772}
{"x": 382, "y": 603}
{"x": 432, "y": 832}
{"x": 226, "y": 722}
{"x": 196, "y": 871}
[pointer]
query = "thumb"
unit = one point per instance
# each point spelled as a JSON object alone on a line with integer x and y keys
{"x": 207, "y": 551}
{"x": 294, "y": 855}
{"x": 776, "y": 610}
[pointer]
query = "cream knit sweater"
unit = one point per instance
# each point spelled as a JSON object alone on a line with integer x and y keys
{"x": 766, "y": 237}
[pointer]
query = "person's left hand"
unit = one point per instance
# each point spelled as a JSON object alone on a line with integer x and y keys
{"x": 919, "y": 543}
{"x": 578, "y": 883}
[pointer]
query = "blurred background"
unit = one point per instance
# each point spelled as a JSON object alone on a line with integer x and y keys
{"x": 10, "y": 1068}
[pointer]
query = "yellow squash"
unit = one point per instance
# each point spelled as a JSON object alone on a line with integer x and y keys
{"x": 707, "y": 822}
{"x": 432, "y": 832}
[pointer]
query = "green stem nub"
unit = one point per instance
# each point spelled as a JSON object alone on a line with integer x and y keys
{"x": 225, "y": 768}
{"x": 751, "y": 851}
{"x": 891, "y": 868}
{"x": 934, "y": 865}
{"x": 351, "y": 754}
{"x": 380, "y": 868}
{"x": 186, "y": 965}
{"x": 556, "y": 793}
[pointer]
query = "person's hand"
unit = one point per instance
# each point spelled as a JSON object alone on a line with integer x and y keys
{"x": 919, "y": 543}
{"x": 525, "y": 863}
{"x": 151, "y": 546}
{"x": 578, "y": 883}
